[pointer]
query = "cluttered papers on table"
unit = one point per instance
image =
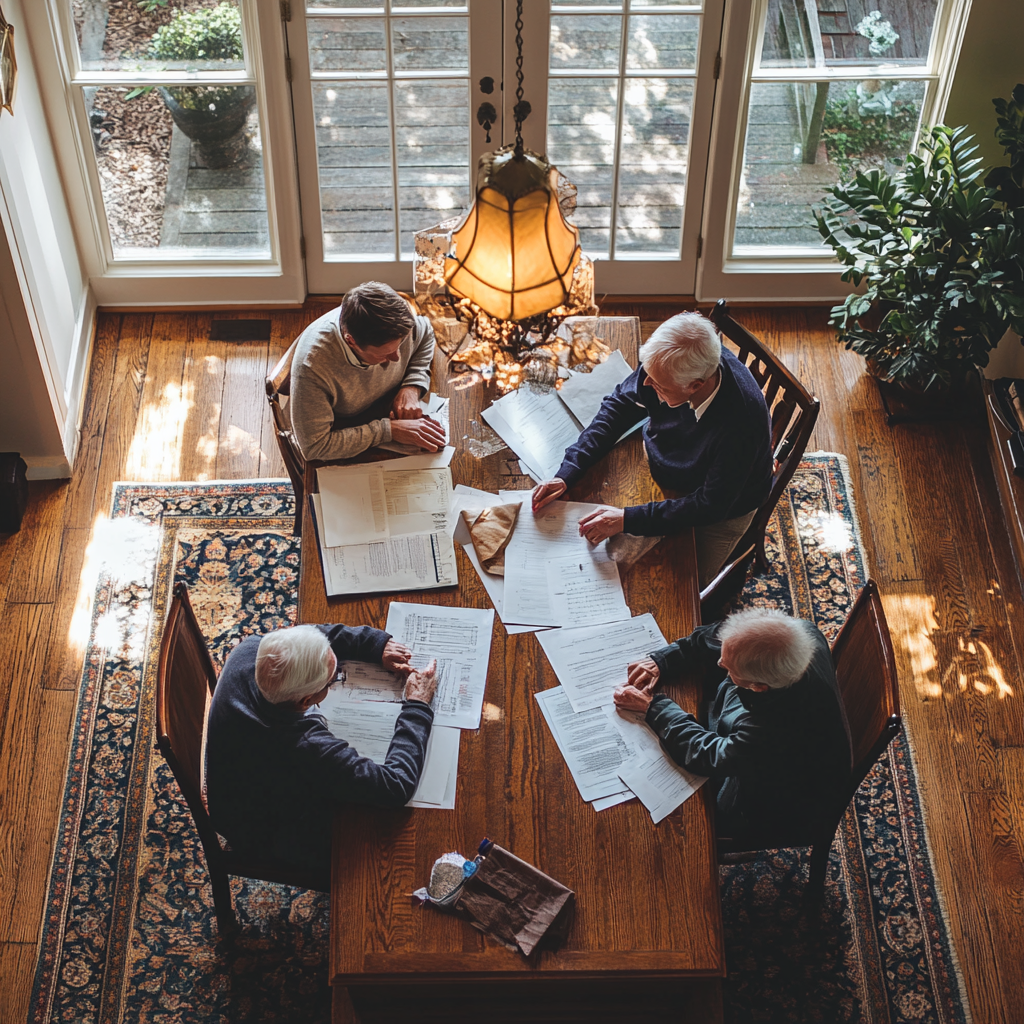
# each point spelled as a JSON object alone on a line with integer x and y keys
{"x": 460, "y": 640}
{"x": 385, "y": 525}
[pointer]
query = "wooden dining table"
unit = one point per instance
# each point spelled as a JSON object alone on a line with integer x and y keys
{"x": 646, "y": 936}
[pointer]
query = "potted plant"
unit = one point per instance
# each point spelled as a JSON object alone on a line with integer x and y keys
{"x": 213, "y": 117}
{"x": 942, "y": 259}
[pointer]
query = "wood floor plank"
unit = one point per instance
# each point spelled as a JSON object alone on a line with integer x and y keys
{"x": 17, "y": 967}
{"x": 76, "y": 587}
{"x": 204, "y": 374}
{"x": 239, "y": 449}
{"x": 33, "y": 574}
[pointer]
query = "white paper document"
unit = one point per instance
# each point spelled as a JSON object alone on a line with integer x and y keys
{"x": 352, "y": 498}
{"x": 585, "y": 591}
{"x": 650, "y": 773}
{"x": 537, "y": 426}
{"x": 583, "y": 393}
{"x": 460, "y": 640}
{"x": 413, "y": 562}
{"x": 590, "y": 662}
{"x": 538, "y": 539}
{"x": 593, "y": 748}
{"x": 362, "y": 680}
{"x": 612, "y": 801}
{"x": 369, "y": 728}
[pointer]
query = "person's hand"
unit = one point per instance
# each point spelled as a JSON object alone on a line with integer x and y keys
{"x": 643, "y": 674}
{"x": 546, "y": 492}
{"x": 421, "y": 683}
{"x": 629, "y": 698}
{"x": 423, "y": 433}
{"x": 602, "y": 524}
{"x": 406, "y": 404}
{"x": 396, "y": 657}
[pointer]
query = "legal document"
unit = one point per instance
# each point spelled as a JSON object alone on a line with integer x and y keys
{"x": 590, "y": 662}
{"x": 585, "y": 591}
{"x": 370, "y": 727}
{"x": 650, "y": 773}
{"x": 583, "y": 393}
{"x": 537, "y": 426}
{"x": 460, "y": 640}
{"x": 593, "y": 748}
{"x": 550, "y": 534}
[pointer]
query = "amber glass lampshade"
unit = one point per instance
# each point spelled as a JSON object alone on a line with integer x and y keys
{"x": 514, "y": 254}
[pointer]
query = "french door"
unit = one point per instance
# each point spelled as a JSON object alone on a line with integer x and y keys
{"x": 387, "y": 95}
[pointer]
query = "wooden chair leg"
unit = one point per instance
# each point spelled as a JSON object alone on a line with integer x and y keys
{"x": 227, "y": 923}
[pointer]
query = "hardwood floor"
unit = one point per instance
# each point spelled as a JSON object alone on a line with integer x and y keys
{"x": 164, "y": 404}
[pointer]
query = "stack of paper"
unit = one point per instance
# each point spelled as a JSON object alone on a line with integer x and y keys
{"x": 612, "y": 755}
{"x": 539, "y": 426}
{"x": 385, "y": 525}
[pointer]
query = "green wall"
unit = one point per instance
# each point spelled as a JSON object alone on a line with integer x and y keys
{"x": 991, "y": 63}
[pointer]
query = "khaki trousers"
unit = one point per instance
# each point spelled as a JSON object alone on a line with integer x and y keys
{"x": 715, "y": 544}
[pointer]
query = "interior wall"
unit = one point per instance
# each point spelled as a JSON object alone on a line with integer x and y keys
{"x": 46, "y": 296}
{"x": 991, "y": 64}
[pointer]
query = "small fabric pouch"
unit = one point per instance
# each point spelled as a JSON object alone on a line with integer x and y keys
{"x": 490, "y": 530}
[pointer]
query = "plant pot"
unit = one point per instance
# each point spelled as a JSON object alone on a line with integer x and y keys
{"x": 907, "y": 402}
{"x": 217, "y": 133}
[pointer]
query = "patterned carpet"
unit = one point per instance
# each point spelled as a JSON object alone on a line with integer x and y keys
{"x": 129, "y": 933}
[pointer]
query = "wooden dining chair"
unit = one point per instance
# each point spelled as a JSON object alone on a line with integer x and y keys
{"x": 186, "y": 679}
{"x": 794, "y": 411}
{"x": 870, "y": 700}
{"x": 278, "y": 384}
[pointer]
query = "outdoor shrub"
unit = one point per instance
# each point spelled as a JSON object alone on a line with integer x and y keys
{"x": 853, "y": 139}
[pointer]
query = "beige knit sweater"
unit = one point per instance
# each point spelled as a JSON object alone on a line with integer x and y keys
{"x": 330, "y": 382}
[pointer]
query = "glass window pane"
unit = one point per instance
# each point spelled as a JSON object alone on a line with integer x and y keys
{"x": 804, "y": 137}
{"x": 665, "y": 3}
{"x": 430, "y": 44}
{"x": 196, "y": 35}
{"x": 652, "y": 164}
{"x": 834, "y": 33}
{"x": 346, "y": 44}
{"x": 585, "y": 41}
{"x": 663, "y": 41}
{"x": 180, "y": 168}
{"x": 581, "y": 143}
{"x": 353, "y": 148}
{"x": 413, "y": 4}
{"x": 312, "y": 5}
{"x": 432, "y": 142}
{"x": 591, "y": 3}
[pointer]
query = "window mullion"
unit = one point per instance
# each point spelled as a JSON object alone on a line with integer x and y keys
{"x": 392, "y": 127}
{"x": 620, "y": 110}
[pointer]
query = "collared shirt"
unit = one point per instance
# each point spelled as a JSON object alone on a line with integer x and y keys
{"x": 699, "y": 410}
{"x": 350, "y": 356}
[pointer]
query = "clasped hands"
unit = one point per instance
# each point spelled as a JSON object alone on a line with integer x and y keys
{"x": 596, "y": 527}
{"x": 410, "y": 426}
{"x": 420, "y": 684}
{"x": 637, "y": 692}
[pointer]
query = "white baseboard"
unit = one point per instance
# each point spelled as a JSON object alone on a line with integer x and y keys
{"x": 78, "y": 373}
{"x": 47, "y": 467}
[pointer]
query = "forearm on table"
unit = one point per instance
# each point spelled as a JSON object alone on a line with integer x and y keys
{"x": 417, "y": 373}
{"x": 356, "y": 643}
{"x": 689, "y": 744}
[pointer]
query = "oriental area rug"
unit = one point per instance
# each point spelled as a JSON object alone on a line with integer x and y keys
{"x": 129, "y": 933}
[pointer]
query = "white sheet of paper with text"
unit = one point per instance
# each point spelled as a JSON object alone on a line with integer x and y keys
{"x": 593, "y": 748}
{"x": 352, "y": 499}
{"x": 552, "y": 533}
{"x": 583, "y": 393}
{"x": 460, "y": 639}
{"x": 585, "y": 592}
{"x": 591, "y": 662}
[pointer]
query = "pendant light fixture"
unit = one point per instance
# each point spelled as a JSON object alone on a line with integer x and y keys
{"x": 512, "y": 267}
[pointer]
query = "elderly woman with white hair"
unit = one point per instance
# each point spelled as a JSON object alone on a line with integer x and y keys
{"x": 274, "y": 772}
{"x": 776, "y": 747}
{"x": 708, "y": 443}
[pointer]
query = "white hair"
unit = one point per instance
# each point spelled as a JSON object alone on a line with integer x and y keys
{"x": 292, "y": 663}
{"x": 683, "y": 349}
{"x": 768, "y": 646}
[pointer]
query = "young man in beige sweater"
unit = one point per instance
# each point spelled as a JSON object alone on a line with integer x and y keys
{"x": 358, "y": 374}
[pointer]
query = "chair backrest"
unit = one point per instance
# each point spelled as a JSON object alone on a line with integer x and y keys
{"x": 185, "y": 680}
{"x": 278, "y": 386}
{"x": 794, "y": 411}
{"x": 866, "y": 673}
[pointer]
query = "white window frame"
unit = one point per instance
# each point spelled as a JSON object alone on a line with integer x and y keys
{"x": 178, "y": 277}
{"x": 785, "y": 274}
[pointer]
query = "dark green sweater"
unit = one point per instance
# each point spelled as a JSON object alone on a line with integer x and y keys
{"x": 780, "y": 758}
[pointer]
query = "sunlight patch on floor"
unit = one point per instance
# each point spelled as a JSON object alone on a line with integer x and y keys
{"x": 155, "y": 452}
{"x": 208, "y": 444}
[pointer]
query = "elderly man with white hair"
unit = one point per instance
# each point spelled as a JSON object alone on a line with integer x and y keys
{"x": 274, "y": 772}
{"x": 776, "y": 746}
{"x": 708, "y": 443}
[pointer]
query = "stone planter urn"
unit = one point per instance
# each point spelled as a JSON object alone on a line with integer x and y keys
{"x": 214, "y": 119}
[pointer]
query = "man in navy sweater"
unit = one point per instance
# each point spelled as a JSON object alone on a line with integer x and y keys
{"x": 708, "y": 443}
{"x": 274, "y": 772}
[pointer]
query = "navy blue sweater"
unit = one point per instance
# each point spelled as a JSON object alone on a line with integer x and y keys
{"x": 721, "y": 465}
{"x": 781, "y": 758}
{"x": 274, "y": 775}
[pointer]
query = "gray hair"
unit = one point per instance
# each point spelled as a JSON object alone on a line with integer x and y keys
{"x": 684, "y": 348}
{"x": 292, "y": 663}
{"x": 769, "y": 646}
